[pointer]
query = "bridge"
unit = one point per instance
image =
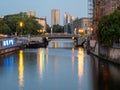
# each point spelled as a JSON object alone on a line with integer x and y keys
{"x": 59, "y": 35}
{"x": 47, "y": 37}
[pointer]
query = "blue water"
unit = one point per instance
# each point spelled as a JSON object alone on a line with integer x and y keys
{"x": 60, "y": 66}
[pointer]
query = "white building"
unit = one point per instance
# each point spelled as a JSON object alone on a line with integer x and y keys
{"x": 68, "y": 25}
{"x": 68, "y": 18}
{"x": 83, "y": 25}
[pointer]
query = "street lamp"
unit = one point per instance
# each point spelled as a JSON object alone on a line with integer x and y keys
{"x": 51, "y": 30}
{"x": 81, "y": 32}
{"x": 21, "y": 25}
{"x": 75, "y": 31}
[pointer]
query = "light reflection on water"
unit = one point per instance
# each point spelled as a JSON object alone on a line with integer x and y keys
{"x": 21, "y": 69}
{"x": 40, "y": 61}
{"x": 60, "y": 43}
{"x": 58, "y": 68}
{"x": 80, "y": 65}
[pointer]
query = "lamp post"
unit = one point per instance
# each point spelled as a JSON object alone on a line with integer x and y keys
{"x": 51, "y": 30}
{"x": 21, "y": 25}
{"x": 75, "y": 31}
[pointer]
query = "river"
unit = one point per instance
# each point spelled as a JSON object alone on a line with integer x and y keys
{"x": 60, "y": 66}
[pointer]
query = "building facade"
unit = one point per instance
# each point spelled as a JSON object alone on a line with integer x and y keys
{"x": 55, "y": 17}
{"x": 82, "y": 25}
{"x": 102, "y": 8}
{"x": 68, "y": 22}
{"x": 42, "y": 21}
{"x": 68, "y": 18}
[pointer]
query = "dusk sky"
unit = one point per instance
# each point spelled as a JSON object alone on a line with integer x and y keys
{"x": 78, "y": 8}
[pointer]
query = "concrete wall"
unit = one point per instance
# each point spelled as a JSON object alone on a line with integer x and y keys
{"x": 111, "y": 54}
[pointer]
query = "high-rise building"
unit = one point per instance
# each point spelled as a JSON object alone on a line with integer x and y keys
{"x": 68, "y": 18}
{"x": 68, "y": 22}
{"x": 55, "y": 17}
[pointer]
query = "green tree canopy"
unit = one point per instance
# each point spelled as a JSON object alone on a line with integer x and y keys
{"x": 48, "y": 28}
{"x": 58, "y": 28}
{"x": 4, "y": 29}
{"x": 30, "y": 25}
{"x": 109, "y": 28}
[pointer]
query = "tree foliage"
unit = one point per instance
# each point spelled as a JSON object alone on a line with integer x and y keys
{"x": 109, "y": 28}
{"x": 48, "y": 28}
{"x": 11, "y": 24}
{"x": 58, "y": 28}
{"x": 55, "y": 28}
{"x": 4, "y": 27}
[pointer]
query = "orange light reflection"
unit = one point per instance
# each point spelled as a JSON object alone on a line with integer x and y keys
{"x": 80, "y": 63}
{"x": 40, "y": 61}
{"x": 21, "y": 69}
{"x": 72, "y": 57}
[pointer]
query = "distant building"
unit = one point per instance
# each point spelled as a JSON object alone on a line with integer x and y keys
{"x": 85, "y": 25}
{"x": 1, "y": 17}
{"x": 55, "y": 17}
{"x": 68, "y": 19}
{"x": 31, "y": 13}
{"x": 82, "y": 24}
{"x": 42, "y": 21}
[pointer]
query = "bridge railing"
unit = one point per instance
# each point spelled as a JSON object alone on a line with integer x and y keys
{"x": 59, "y": 35}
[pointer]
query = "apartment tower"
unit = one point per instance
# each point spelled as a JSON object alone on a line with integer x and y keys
{"x": 55, "y": 17}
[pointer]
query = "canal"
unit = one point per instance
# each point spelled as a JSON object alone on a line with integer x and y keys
{"x": 60, "y": 66}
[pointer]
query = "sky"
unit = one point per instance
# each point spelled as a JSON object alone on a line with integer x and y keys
{"x": 78, "y": 8}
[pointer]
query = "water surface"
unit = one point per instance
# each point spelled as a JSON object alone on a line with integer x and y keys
{"x": 60, "y": 66}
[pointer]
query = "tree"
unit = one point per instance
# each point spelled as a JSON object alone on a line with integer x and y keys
{"x": 4, "y": 29}
{"x": 109, "y": 28}
{"x": 30, "y": 25}
{"x": 48, "y": 29}
{"x": 58, "y": 28}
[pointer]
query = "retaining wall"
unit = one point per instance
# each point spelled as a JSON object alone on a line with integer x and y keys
{"x": 107, "y": 53}
{"x": 111, "y": 54}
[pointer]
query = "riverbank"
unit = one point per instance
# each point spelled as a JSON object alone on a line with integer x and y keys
{"x": 10, "y": 44}
{"x": 107, "y": 53}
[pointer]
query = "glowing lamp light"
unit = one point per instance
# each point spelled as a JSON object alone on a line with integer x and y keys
{"x": 73, "y": 38}
{"x": 41, "y": 31}
{"x": 91, "y": 29}
{"x": 81, "y": 31}
{"x": 21, "y": 24}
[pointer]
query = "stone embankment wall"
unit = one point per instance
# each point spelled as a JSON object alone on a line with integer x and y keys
{"x": 107, "y": 53}
{"x": 111, "y": 54}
